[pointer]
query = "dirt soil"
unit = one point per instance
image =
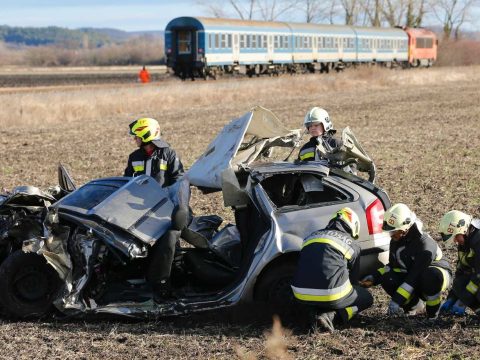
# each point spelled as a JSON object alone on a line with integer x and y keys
{"x": 424, "y": 139}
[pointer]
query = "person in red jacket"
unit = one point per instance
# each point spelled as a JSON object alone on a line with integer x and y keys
{"x": 144, "y": 75}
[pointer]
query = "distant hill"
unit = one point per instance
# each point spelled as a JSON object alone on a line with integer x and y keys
{"x": 53, "y": 35}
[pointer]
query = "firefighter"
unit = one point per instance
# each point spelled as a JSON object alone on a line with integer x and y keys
{"x": 154, "y": 157}
{"x": 456, "y": 226}
{"x": 416, "y": 271}
{"x": 318, "y": 124}
{"x": 328, "y": 271}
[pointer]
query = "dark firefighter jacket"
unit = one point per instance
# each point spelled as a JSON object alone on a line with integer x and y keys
{"x": 309, "y": 151}
{"x": 469, "y": 258}
{"x": 328, "y": 265}
{"x": 412, "y": 255}
{"x": 164, "y": 165}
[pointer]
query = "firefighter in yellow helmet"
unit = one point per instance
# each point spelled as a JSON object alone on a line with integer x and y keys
{"x": 416, "y": 271}
{"x": 327, "y": 273}
{"x": 460, "y": 228}
{"x": 154, "y": 156}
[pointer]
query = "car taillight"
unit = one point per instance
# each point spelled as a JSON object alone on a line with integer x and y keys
{"x": 200, "y": 50}
{"x": 374, "y": 214}
{"x": 169, "y": 51}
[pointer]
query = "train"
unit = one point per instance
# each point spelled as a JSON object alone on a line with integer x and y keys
{"x": 210, "y": 47}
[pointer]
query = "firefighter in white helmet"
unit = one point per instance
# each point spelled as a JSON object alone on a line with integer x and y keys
{"x": 456, "y": 226}
{"x": 320, "y": 127}
{"x": 416, "y": 270}
{"x": 327, "y": 273}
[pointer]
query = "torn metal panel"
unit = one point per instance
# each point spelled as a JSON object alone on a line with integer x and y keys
{"x": 240, "y": 143}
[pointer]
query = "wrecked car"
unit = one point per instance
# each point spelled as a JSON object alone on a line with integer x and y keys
{"x": 22, "y": 212}
{"x": 97, "y": 239}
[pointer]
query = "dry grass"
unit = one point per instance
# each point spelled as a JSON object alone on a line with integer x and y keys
{"x": 421, "y": 127}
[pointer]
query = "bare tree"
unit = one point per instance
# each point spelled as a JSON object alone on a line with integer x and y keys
{"x": 416, "y": 10}
{"x": 243, "y": 9}
{"x": 271, "y": 10}
{"x": 317, "y": 10}
{"x": 351, "y": 9}
{"x": 452, "y": 14}
{"x": 372, "y": 12}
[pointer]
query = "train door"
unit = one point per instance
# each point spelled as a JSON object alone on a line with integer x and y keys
{"x": 236, "y": 48}
{"x": 185, "y": 41}
{"x": 270, "y": 47}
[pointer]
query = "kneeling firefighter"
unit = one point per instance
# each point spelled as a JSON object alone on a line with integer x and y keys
{"x": 416, "y": 271}
{"x": 328, "y": 266}
{"x": 464, "y": 230}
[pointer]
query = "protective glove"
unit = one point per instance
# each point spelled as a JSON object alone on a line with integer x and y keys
{"x": 394, "y": 309}
{"x": 367, "y": 281}
{"x": 447, "y": 306}
{"x": 458, "y": 308}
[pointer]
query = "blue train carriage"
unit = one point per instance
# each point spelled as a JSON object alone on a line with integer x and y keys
{"x": 385, "y": 46}
{"x": 202, "y": 47}
{"x": 322, "y": 47}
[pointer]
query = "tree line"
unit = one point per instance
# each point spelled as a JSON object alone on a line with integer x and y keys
{"x": 450, "y": 15}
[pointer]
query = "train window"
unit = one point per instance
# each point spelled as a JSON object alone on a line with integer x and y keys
{"x": 223, "y": 43}
{"x": 335, "y": 43}
{"x": 184, "y": 42}
{"x": 264, "y": 41}
{"x": 253, "y": 43}
{"x": 275, "y": 42}
{"x": 285, "y": 42}
{"x": 242, "y": 41}
{"x": 249, "y": 41}
{"x": 217, "y": 41}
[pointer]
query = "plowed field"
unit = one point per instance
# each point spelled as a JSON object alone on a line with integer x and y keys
{"x": 420, "y": 127}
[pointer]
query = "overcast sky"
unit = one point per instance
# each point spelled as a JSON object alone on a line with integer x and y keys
{"x": 129, "y": 15}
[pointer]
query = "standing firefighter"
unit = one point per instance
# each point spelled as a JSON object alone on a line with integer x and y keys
{"x": 155, "y": 158}
{"x": 320, "y": 128}
{"x": 460, "y": 228}
{"x": 144, "y": 76}
{"x": 416, "y": 270}
{"x": 328, "y": 266}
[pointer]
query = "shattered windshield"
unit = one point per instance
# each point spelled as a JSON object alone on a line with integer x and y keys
{"x": 92, "y": 194}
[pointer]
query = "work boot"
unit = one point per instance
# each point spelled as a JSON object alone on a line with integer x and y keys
{"x": 325, "y": 321}
{"x": 162, "y": 292}
{"x": 418, "y": 308}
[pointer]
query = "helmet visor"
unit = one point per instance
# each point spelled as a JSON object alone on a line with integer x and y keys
{"x": 386, "y": 227}
{"x": 446, "y": 237}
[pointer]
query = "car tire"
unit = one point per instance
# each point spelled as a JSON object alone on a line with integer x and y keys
{"x": 28, "y": 285}
{"x": 273, "y": 287}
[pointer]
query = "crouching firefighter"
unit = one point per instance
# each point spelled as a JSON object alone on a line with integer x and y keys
{"x": 154, "y": 157}
{"x": 456, "y": 226}
{"x": 416, "y": 273}
{"x": 328, "y": 266}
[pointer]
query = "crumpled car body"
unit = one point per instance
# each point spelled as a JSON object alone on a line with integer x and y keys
{"x": 99, "y": 237}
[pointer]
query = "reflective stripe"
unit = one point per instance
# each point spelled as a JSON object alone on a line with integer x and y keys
{"x": 472, "y": 288}
{"x": 163, "y": 165}
{"x": 383, "y": 270}
{"x": 405, "y": 290}
{"x": 138, "y": 166}
{"x": 322, "y": 294}
{"x": 439, "y": 254}
{"x": 446, "y": 278}
{"x": 351, "y": 311}
{"x": 307, "y": 155}
{"x": 148, "y": 169}
{"x": 340, "y": 246}
{"x": 398, "y": 270}
{"x": 433, "y": 300}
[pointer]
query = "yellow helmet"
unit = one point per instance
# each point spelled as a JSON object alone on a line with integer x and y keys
{"x": 350, "y": 219}
{"x": 452, "y": 223}
{"x": 146, "y": 129}
{"x": 398, "y": 217}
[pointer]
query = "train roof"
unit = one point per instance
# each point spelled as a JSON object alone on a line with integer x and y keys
{"x": 205, "y": 23}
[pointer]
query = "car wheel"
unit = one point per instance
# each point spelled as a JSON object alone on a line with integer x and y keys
{"x": 274, "y": 286}
{"x": 28, "y": 285}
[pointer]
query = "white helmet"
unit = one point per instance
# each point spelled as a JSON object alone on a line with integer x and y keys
{"x": 318, "y": 115}
{"x": 452, "y": 223}
{"x": 398, "y": 217}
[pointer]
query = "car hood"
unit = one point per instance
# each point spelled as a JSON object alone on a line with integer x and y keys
{"x": 241, "y": 142}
